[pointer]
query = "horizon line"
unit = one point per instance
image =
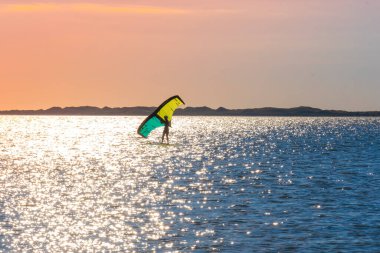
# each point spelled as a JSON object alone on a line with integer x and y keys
{"x": 203, "y": 106}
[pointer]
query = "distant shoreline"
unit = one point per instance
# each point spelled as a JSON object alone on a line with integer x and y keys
{"x": 302, "y": 111}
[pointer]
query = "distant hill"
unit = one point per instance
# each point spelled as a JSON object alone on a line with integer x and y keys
{"x": 302, "y": 111}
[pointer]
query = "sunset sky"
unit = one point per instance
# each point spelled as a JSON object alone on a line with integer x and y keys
{"x": 231, "y": 53}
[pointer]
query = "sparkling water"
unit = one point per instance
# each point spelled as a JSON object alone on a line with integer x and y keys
{"x": 228, "y": 184}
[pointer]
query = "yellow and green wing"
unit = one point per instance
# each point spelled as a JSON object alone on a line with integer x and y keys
{"x": 157, "y": 118}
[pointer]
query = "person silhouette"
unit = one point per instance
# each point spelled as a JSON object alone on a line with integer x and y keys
{"x": 166, "y": 130}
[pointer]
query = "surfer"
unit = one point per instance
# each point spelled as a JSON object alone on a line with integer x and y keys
{"x": 166, "y": 130}
{"x": 160, "y": 117}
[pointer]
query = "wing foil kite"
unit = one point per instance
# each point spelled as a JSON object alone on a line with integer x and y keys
{"x": 157, "y": 118}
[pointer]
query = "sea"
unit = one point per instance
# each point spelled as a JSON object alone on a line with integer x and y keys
{"x": 223, "y": 184}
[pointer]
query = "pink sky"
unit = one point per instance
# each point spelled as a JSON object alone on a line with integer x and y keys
{"x": 236, "y": 54}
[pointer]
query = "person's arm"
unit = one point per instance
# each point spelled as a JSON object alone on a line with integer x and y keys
{"x": 170, "y": 123}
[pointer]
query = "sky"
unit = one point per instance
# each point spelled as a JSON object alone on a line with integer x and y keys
{"x": 230, "y": 53}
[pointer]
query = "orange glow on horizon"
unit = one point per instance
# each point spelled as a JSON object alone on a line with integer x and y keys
{"x": 128, "y": 53}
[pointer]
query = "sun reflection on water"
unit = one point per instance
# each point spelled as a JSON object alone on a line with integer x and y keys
{"x": 67, "y": 188}
{"x": 72, "y": 184}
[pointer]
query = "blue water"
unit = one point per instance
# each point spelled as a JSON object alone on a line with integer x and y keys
{"x": 225, "y": 184}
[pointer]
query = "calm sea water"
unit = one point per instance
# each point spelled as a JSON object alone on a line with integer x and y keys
{"x": 227, "y": 184}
